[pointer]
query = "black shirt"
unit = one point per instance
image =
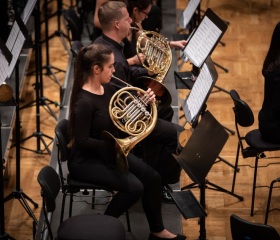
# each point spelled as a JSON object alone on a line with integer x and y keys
{"x": 269, "y": 115}
{"x": 123, "y": 71}
{"x": 91, "y": 118}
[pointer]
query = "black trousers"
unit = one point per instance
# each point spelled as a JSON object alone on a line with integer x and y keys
{"x": 140, "y": 181}
{"x": 157, "y": 150}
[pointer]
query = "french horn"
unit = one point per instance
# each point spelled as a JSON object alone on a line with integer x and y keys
{"x": 133, "y": 114}
{"x": 158, "y": 58}
{"x": 157, "y": 52}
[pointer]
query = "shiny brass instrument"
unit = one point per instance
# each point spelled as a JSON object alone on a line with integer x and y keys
{"x": 157, "y": 52}
{"x": 6, "y": 92}
{"x": 158, "y": 57}
{"x": 132, "y": 114}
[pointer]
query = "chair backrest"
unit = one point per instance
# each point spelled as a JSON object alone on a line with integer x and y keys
{"x": 50, "y": 186}
{"x": 63, "y": 138}
{"x": 243, "y": 113}
{"x": 76, "y": 47}
{"x": 63, "y": 152}
{"x": 245, "y": 230}
{"x": 73, "y": 24}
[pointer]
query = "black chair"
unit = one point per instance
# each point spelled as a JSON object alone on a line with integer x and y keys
{"x": 84, "y": 226}
{"x": 256, "y": 145}
{"x": 75, "y": 48}
{"x": 268, "y": 210}
{"x": 245, "y": 230}
{"x": 70, "y": 185}
{"x": 74, "y": 27}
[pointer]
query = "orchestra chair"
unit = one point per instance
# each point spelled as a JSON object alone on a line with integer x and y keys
{"x": 84, "y": 226}
{"x": 245, "y": 230}
{"x": 75, "y": 48}
{"x": 73, "y": 25}
{"x": 70, "y": 185}
{"x": 268, "y": 210}
{"x": 256, "y": 145}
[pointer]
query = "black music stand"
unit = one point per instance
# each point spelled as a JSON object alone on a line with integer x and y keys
{"x": 197, "y": 158}
{"x": 18, "y": 36}
{"x": 188, "y": 20}
{"x": 3, "y": 235}
{"x": 51, "y": 70}
{"x": 40, "y": 100}
{"x": 194, "y": 105}
{"x": 200, "y": 45}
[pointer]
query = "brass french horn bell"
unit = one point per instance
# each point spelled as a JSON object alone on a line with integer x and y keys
{"x": 6, "y": 92}
{"x": 163, "y": 96}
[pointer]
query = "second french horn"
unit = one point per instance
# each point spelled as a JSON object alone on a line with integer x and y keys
{"x": 158, "y": 58}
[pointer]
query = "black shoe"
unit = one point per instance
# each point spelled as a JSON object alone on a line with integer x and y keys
{"x": 165, "y": 194}
{"x": 178, "y": 237}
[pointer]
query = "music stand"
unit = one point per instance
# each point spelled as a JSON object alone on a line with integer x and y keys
{"x": 5, "y": 59}
{"x": 188, "y": 19}
{"x": 201, "y": 43}
{"x": 195, "y": 103}
{"x": 15, "y": 43}
{"x": 39, "y": 99}
{"x": 197, "y": 158}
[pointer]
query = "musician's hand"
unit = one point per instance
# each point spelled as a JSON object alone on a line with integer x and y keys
{"x": 151, "y": 94}
{"x": 178, "y": 44}
{"x": 142, "y": 57}
{"x": 135, "y": 60}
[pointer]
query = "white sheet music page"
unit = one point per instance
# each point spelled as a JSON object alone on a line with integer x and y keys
{"x": 16, "y": 50}
{"x": 202, "y": 42}
{"x": 28, "y": 10}
{"x": 188, "y": 13}
{"x": 12, "y": 36}
{"x": 199, "y": 92}
{"x": 3, "y": 68}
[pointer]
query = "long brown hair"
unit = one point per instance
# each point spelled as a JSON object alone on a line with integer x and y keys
{"x": 95, "y": 54}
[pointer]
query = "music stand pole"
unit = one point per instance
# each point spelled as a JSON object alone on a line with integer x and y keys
{"x": 49, "y": 67}
{"x": 39, "y": 101}
{"x": 202, "y": 220}
{"x": 18, "y": 192}
{"x": 3, "y": 234}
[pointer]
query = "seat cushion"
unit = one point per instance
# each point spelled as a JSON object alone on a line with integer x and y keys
{"x": 91, "y": 226}
{"x": 254, "y": 139}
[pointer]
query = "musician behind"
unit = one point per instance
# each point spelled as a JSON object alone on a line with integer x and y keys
{"x": 94, "y": 159}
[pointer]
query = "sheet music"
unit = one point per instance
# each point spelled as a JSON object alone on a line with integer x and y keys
{"x": 202, "y": 42}
{"x": 199, "y": 92}
{"x": 188, "y": 13}
{"x": 3, "y": 68}
{"x": 183, "y": 54}
{"x": 16, "y": 52}
{"x": 12, "y": 36}
{"x": 28, "y": 10}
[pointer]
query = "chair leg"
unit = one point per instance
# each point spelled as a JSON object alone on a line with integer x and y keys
{"x": 269, "y": 199}
{"x": 93, "y": 199}
{"x": 235, "y": 168}
{"x": 128, "y": 222}
{"x": 62, "y": 207}
{"x": 254, "y": 185}
{"x": 71, "y": 205}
